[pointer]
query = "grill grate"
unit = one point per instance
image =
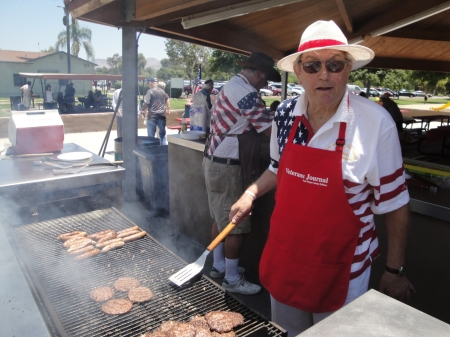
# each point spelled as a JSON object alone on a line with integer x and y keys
{"x": 62, "y": 284}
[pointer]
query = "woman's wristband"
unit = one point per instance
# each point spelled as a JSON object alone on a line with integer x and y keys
{"x": 251, "y": 193}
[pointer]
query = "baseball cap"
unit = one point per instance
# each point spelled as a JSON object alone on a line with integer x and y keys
{"x": 152, "y": 79}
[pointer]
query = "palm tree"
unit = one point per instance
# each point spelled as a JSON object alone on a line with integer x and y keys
{"x": 79, "y": 36}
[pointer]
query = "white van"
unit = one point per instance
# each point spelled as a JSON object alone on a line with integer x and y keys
{"x": 354, "y": 88}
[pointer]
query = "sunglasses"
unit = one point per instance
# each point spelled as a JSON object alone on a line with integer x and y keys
{"x": 333, "y": 66}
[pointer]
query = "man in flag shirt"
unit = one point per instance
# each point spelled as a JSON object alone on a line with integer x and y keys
{"x": 335, "y": 162}
{"x": 238, "y": 119}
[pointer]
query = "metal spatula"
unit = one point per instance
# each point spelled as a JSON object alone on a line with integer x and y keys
{"x": 196, "y": 267}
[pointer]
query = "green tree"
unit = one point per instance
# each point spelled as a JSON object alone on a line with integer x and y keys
{"x": 141, "y": 63}
{"x": 115, "y": 64}
{"x": 79, "y": 37}
{"x": 169, "y": 70}
{"x": 224, "y": 64}
{"x": 50, "y": 49}
{"x": 188, "y": 55}
{"x": 427, "y": 81}
{"x": 102, "y": 70}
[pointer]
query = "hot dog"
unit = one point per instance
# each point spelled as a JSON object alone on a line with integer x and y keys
{"x": 73, "y": 240}
{"x": 128, "y": 233}
{"x": 67, "y": 236}
{"x": 113, "y": 245}
{"x": 88, "y": 254}
{"x": 99, "y": 235}
{"x": 82, "y": 250}
{"x": 103, "y": 244}
{"x": 79, "y": 244}
{"x": 135, "y": 236}
{"x": 127, "y": 229}
{"x": 106, "y": 237}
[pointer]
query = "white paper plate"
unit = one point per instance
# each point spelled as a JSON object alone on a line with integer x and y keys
{"x": 191, "y": 134}
{"x": 75, "y": 156}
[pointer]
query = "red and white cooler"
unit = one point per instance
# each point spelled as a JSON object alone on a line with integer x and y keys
{"x": 36, "y": 131}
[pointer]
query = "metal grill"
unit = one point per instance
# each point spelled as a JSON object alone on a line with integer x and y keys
{"x": 61, "y": 285}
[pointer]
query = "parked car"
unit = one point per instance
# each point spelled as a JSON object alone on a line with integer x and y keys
{"x": 407, "y": 93}
{"x": 420, "y": 93}
{"x": 265, "y": 92}
{"x": 297, "y": 90}
{"x": 276, "y": 88}
{"x": 355, "y": 89}
{"x": 187, "y": 88}
{"x": 373, "y": 92}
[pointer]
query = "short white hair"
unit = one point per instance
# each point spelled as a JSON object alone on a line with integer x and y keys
{"x": 161, "y": 85}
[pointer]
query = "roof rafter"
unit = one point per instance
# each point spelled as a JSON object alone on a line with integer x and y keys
{"x": 402, "y": 63}
{"x": 240, "y": 43}
{"x": 152, "y": 9}
{"x": 399, "y": 16}
{"x": 80, "y": 7}
{"x": 345, "y": 16}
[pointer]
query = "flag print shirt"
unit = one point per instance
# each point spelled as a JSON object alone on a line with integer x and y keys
{"x": 238, "y": 108}
{"x": 372, "y": 164}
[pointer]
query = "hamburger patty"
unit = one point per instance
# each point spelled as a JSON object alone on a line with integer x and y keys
{"x": 101, "y": 294}
{"x": 199, "y": 321}
{"x": 202, "y": 332}
{"x": 182, "y": 330}
{"x": 225, "y": 334}
{"x": 167, "y": 325}
{"x": 126, "y": 283}
{"x": 223, "y": 321}
{"x": 140, "y": 294}
{"x": 117, "y": 306}
{"x": 155, "y": 334}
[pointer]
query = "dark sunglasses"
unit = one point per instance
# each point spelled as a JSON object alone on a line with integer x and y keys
{"x": 333, "y": 66}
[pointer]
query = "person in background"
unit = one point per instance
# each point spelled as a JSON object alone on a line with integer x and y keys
{"x": 274, "y": 106}
{"x": 206, "y": 91}
{"x": 393, "y": 109}
{"x": 98, "y": 99}
{"x": 238, "y": 121}
{"x": 157, "y": 104}
{"x": 48, "y": 94}
{"x": 90, "y": 100}
{"x": 119, "y": 115}
{"x": 26, "y": 94}
{"x": 335, "y": 162}
{"x": 49, "y": 102}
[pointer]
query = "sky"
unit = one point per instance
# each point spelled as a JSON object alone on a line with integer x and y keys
{"x": 33, "y": 25}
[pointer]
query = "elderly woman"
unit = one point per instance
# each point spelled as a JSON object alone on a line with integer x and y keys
{"x": 336, "y": 161}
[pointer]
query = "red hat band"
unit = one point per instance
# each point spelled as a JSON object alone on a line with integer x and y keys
{"x": 319, "y": 44}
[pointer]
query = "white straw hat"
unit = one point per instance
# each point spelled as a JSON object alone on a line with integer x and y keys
{"x": 327, "y": 35}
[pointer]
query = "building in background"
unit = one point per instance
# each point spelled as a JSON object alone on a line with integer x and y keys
{"x": 13, "y": 62}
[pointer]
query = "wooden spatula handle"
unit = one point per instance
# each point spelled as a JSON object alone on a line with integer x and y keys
{"x": 221, "y": 236}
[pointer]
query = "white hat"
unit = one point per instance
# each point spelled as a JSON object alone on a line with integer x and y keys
{"x": 327, "y": 35}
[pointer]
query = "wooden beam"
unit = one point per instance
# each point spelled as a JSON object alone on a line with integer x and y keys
{"x": 226, "y": 38}
{"x": 420, "y": 34}
{"x": 151, "y": 9}
{"x": 344, "y": 13}
{"x": 186, "y": 39}
{"x": 409, "y": 64}
{"x": 81, "y": 7}
{"x": 394, "y": 14}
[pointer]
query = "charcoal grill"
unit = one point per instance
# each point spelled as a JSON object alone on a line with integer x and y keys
{"x": 61, "y": 285}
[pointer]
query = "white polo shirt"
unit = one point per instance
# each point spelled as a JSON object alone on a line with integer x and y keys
{"x": 372, "y": 164}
